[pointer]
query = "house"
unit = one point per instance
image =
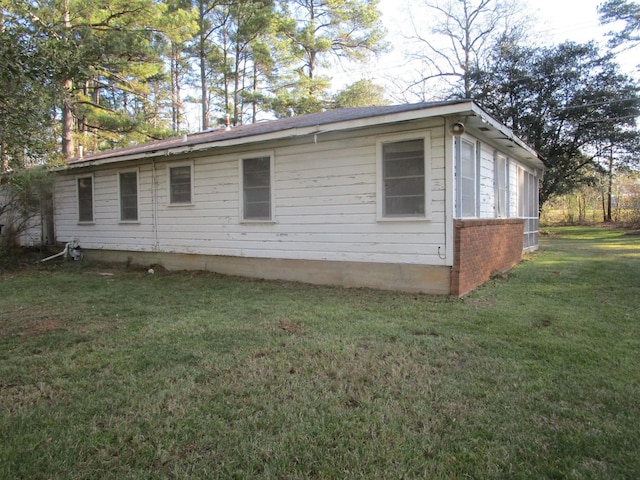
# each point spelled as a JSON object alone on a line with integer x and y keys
{"x": 428, "y": 197}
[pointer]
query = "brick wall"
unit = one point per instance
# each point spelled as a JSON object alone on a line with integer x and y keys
{"x": 483, "y": 247}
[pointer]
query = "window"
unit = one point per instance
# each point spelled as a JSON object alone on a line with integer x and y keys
{"x": 128, "y": 183}
{"x": 403, "y": 177}
{"x": 180, "y": 184}
{"x": 256, "y": 188}
{"x": 85, "y": 199}
{"x": 467, "y": 178}
{"x": 528, "y": 206}
{"x": 501, "y": 185}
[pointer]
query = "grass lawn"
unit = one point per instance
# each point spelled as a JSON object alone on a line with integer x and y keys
{"x": 112, "y": 373}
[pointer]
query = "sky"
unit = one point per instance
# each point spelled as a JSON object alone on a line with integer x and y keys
{"x": 557, "y": 21}
{"x": 569, "y": 19}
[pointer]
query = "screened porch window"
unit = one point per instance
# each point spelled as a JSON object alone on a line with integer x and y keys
{"x": 528, "y": 207}
{"x": 502, "y": 185}
{"x": 467, "y": 178}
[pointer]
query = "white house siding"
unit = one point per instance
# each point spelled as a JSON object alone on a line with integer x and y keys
{"x": 324, "y": 203}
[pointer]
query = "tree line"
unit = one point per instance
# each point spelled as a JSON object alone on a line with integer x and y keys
{"x": 570, "y": 101}
{"x": 102, "y": 74}
{"x": 81, "y": 76}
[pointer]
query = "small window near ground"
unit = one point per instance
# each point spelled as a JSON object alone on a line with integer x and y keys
{"x": 85, "y": 199}
{"x": 128, "y": 182}
{"x": 180, "y": 184}
{"x": 256, "y": 188}
{"x": 403, "y": 176}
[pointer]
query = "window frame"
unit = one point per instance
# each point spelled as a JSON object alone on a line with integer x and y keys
{"x": 476, "y": 148}
{"x": 93, "y": 201}
{"x": 120, "y": 173}
{"x": 528, "y": 188}
{"x": 242, "y": 199}
{"x": 381, "y": 215}
{"x": 501, "y": 192}
{"x": 191, "y": 201}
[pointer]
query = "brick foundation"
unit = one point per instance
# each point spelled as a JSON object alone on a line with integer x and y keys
{"x": 483, "y": 247}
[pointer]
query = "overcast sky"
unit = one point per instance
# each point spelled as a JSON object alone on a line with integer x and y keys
{"x": 557, "y": 21}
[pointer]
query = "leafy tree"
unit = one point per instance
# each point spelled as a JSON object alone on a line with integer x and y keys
{"x": 178, "y": 27}
{"x": 25, "y": 196}
{"x": 27, "y": 96}
{"x": 244, "y": 27}
{"x": 567, "y": 101}
{"x": 206, "y": 51}
{"x": 363, "y": 93}
{"x": 119, "y": 47}
{"x": 616, "y": 155}
{"x": 316, "y": 30}
{"x": 107, "y": 64}
{"x": 627, "y": 12}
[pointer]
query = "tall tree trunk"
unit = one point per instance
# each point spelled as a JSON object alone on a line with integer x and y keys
{"x": 96, "y": 101}
{"x": 202, "y": 52}
{"x": 175, "y": 88}
{"x": 254, "y": 97}
{"x": 236, "y": 89}
{"x": 225, "y": 62}
{"x": 610, "y": 186}
{"x": 67, "y": 112}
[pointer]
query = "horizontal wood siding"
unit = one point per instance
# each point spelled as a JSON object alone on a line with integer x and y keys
{"x": 324, "y": 203}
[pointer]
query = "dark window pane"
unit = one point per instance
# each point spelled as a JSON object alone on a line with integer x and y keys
{"x": 404, "y": 167}
{"x": 403, "y": 149}
{"x": 256, "y": 179}
{"x": 256, "y": 164}
{"x": 129, "y": 196}
{"x": 256, "y": 183}
{"x": 404, "y": 186}
{"x": 180, "y": 184}
{"x": 85, "y": 199}
{"x": 261, "y": 194}
{"x": 404, "y": 206}
{"x": 404, "y": 178}
{"x": 257, "y": 211}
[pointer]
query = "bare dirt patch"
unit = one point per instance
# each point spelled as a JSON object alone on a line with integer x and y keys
{"x": 28, "y": 322}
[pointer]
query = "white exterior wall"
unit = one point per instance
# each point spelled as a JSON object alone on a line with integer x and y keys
{"x": 324, "y": 205}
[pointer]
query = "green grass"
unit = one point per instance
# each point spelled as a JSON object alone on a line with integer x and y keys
{"x": 194, "y": 375}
